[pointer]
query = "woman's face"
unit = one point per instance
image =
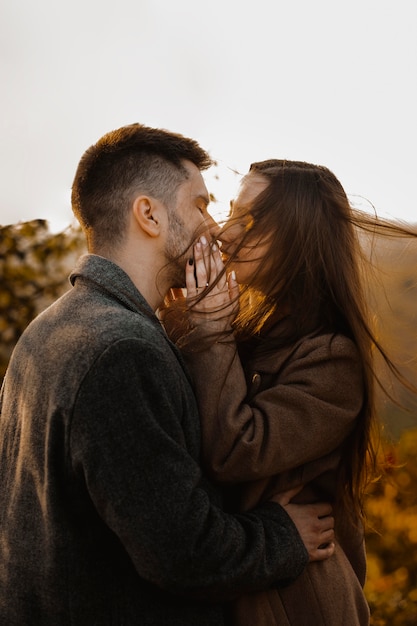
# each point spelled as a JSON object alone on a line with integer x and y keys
{"x": 249, "y": 256}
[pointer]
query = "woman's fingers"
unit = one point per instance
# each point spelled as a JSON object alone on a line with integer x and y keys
{"x": 212, "y": 294}
{"x": 217, "y": 268}
{"x": 206, "y": 276}
{"x": 196, "y": 275}
{"x": 202, "y": 254}
{"x": 233, "y": 286}
{"x": 190, "y": 277}
{"x": 207, "y": 267}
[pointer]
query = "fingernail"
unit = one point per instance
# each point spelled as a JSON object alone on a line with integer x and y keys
{"x": 203, "y": 240}
{"x": 214, "y": 247}
{"x": 233, "y": 275}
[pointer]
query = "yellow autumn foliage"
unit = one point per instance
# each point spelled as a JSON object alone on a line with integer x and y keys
{"x": 391, "y": 508}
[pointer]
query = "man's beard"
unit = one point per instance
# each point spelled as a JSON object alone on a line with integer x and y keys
{"x": 177, "y": 250}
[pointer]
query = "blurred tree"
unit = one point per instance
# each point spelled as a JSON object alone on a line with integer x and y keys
{"x": 34, "y": 268}
{"x": 391, "y": 508}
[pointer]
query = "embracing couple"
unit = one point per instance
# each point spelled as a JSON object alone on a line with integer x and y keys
{"x": 197, "y": 460}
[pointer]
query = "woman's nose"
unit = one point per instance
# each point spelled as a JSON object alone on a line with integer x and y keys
{"x": 227, "y": 234}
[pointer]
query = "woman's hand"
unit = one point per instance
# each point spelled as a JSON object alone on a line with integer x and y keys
{"x": 212, "y": 295}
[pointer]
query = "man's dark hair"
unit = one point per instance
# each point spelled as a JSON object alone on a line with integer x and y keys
{"x": 124, "y": 162}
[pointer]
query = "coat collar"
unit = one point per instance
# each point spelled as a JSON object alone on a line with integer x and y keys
{"x": 111, "y": 279}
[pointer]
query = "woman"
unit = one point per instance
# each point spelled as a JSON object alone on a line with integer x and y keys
{"x": 286, "y": 386}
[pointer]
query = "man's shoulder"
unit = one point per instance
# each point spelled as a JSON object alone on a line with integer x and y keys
{"x": 75, "y": 331}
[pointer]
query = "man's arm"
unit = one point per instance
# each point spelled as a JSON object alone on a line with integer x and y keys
{"x": 129, "y": 445}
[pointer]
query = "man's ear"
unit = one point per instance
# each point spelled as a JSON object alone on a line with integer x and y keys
{"x": 147, "y": 214}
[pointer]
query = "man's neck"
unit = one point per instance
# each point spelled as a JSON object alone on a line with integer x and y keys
{"x": 141, "y": 271}
{"x": 144, "y": 278}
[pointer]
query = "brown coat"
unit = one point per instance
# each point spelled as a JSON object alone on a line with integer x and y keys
{"x": 277, "y": 424}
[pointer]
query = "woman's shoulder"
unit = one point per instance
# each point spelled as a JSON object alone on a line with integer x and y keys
{"x": 333, "y": 341}
{"x": 313, "y": 348}
{"x": 326, "y": 345}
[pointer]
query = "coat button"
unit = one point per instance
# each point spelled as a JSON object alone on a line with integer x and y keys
{"x": 256, "y": 378}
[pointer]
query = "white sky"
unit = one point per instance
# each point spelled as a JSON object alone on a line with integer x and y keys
{"x": 325, "y": 81}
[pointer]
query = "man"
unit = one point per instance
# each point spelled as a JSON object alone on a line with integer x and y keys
{"x": 106, "y": 516}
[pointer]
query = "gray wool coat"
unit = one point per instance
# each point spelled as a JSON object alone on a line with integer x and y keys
{"x": 105, "y": 515}
{"x": 277, "y": 421}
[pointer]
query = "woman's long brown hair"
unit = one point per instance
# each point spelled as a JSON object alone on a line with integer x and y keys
{"x": 315, "y": 270}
